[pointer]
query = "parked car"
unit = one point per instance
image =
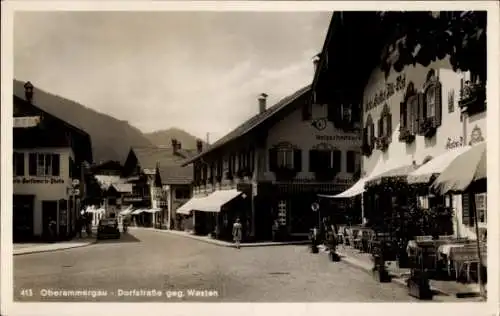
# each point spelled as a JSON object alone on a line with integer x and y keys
{"x": 108, "y": 228}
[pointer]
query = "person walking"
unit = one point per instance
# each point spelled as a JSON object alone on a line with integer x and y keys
{"x": 79, "y": 227}
{"x": 237, "y": 232}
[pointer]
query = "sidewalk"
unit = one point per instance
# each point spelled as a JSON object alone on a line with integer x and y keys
{"x": 29, "y": 248}
{"x": 399, "y": 276}
{"x": 220, "y": 242}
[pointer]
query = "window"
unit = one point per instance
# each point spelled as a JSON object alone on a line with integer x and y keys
{"x": 182, "y": 193}
{"x": 18, "y": 161}
{"x": 451, "y": 101}
{"x": 346, "y": 112}
{"x": 284, "y": 158}
{"x": 412, "y": 114}
{"x": 351, "y": 161}
{"x": 321, "y": 159}
{"x": 42, "y": 165}
{"x": 111, "y": 201}
{"x": 481, "y": 207}
{"x": 430, "y": 101}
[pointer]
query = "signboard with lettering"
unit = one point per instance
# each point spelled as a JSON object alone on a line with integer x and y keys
{"x": 26, "y": 121}
{"x": 386, "y": 92}
{"x": 345, "y": 138}
{"x": 38, "y": 181}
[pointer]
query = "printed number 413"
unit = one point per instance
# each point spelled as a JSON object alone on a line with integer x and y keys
{"x": 27, "y": 292}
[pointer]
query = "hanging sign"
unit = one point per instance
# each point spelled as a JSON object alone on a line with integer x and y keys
{"x": 26, "y": 121}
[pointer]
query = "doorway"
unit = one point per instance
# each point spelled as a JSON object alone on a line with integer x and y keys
{"x": 49, "y": 212}
{"x": 22, "y": 218}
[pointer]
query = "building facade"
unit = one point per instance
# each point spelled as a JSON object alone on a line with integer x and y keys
{"x": 278, "y": 162}
{"x": 410, "y": 116}
{"x": 48, "y": 158}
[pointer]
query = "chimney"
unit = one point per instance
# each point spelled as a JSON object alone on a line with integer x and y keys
{"x": 262, "y": 102}
{"x": 28, "y": 91}
{"x": 199, "y": 145}
{"x": 174, "y": 145}
{"x": 316, "y": 62}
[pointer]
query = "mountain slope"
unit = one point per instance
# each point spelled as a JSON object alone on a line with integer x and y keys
{"x": 164, "y": 138}
{"x": 111, "y": 138}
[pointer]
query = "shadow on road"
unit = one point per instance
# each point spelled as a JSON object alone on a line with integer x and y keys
{"x": 124, "y": 238}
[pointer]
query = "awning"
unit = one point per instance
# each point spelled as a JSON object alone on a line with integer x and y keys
{"x": 356, "y": 189}
{"x": 217, "y": 199}
{"x": 190, "y": 205}
{"x": 126, "y": 211}
{"x": 138, "y": 211}
{"x": 466, "y": 168}
{"x": 397, "y": 172}
{"x": 435, "y": 166}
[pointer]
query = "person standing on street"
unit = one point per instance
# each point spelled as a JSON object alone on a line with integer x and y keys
{"x": 237, "y": 232}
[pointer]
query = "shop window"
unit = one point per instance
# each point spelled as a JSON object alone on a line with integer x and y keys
{"x": 351, "y": 161}
{"x": 42, "y": 165}
{"x": 18, "y": 161}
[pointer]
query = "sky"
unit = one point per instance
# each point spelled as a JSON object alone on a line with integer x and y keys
{"x": 198, "y": 71}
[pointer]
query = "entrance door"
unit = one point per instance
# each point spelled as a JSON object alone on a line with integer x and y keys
{"x": 22, "y": 218}
{"x": 49, "y": 212}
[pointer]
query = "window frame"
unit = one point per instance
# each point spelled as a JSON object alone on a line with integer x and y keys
{"x": 481, "y": 207}
{"x": 45, "y": 170}
{"x": 19, "y": 167}
{"x": 285, "y": 158}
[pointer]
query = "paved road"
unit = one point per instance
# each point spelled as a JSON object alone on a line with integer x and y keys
{"x": 153, "y": 260}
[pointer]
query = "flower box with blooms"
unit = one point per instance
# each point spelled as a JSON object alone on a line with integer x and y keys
{"x": 427, "y": 127}
{"x": 405, "y": 135}
{"x": 473, "y": 97}
{"x": 382, "y": 143}
{"x": 325, "y": 174}
{"x": 284, "y": 174}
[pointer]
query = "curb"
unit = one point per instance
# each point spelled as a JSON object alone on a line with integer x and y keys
{"x": 29, "y": 252}
{"x": 227, "y": 244}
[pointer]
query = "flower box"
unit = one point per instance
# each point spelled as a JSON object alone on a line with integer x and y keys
{"x": 406, "y": 136}
{"x": 473, "y": 98}
{"x": 285, "y": 174}
{"x": 382, "y": 143}
{"x": 326, "y": 174}
{"x": 428, "y": 127}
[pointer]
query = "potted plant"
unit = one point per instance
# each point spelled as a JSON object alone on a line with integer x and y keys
{"x": 427, "y": 127}
{"x": 382, "y": 143}
{"x": 405, "y": 135}
{"x": 473, "y": 97}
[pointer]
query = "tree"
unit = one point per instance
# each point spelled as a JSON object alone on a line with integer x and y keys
{"x": 422, "y": 37}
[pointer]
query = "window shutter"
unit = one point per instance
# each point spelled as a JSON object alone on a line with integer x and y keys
{"x": 313, "y": 156}
{"x": 273, "y": 159}
{"x": 331, "y": 109}
{"x": 372, "y": 133}
{"x": 365, "y": 136}
{"x": 32, "y": 164}
{"x": 337, "y": 160}
{"x": 380, "y": 127}
{"x": 56, "y": 165}
{"x": 466, "y": 214}
{"x": 438, "y": 104}
{"x": 389, "y": 124}
{"x": 297, "y": 160}
{"x": 421, "y": 110}
{"x": 402, "y": 114}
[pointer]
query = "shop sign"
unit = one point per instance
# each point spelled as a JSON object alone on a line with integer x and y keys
{"x": 345, "y": 138}
{"x": 38, "y": 181}
{"x": 26, "y": 121}
{"x": 385, "y": 93}
{"x": 454, "y": 143}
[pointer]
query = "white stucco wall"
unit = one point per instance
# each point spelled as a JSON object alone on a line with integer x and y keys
{"x": 304, "y": 135}
{"x": 400, "y": 153}
{"x": 55, "y": 189}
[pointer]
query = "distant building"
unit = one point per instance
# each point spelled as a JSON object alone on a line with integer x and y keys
{"x": 143, "y": 169}
{"x": 49, "y": 157}
{"x": 273, "y": 166}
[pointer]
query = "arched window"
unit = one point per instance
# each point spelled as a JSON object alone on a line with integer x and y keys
{"x": 431, "y": 109}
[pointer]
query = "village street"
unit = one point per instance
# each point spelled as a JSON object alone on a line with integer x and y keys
{"x": 150, "y": 260}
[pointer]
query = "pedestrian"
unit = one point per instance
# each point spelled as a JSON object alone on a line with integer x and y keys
{"x": 237, "y": 232}
{"x": 79, "y": 227}
{"x": 52, "y": 229}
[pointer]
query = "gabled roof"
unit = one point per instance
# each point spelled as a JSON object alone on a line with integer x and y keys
{"x": 252, "y": 123}
{"x": 168, "y": 162}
